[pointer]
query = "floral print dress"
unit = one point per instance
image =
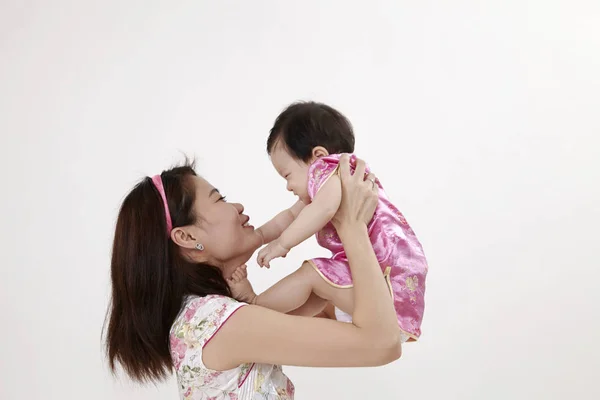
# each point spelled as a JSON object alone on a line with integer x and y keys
{"x": 199, "y": 319}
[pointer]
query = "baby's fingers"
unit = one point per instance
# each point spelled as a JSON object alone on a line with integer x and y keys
{"x": 267, "y": 260}
{"x": 261, "y": 258}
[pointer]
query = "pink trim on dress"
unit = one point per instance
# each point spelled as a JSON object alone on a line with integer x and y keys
{"x": 221, "y": 325}
{"x": 247, "y": 375}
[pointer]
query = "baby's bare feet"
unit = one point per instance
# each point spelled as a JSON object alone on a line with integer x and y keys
{"x": 240, "y": 286}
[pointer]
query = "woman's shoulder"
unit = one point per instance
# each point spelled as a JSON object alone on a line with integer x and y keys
{"x": 193, "y": 301}
{"x": 198, "y": 321}
{"x": 205, "y": 311}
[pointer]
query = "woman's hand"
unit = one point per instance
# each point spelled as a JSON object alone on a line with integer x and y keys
{"x": 359, "y": 195}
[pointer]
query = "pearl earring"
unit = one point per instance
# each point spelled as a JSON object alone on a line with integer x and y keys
{"x": 199, "y": 246}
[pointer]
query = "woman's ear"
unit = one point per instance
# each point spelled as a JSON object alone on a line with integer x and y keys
{"x": 184, "y": 237}
{"x": 319, "y": 151}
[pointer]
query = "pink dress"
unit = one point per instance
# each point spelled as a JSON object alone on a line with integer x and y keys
{"x": 398, "y": 251}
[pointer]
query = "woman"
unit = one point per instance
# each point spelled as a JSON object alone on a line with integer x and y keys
{"x": 171, "y": 304}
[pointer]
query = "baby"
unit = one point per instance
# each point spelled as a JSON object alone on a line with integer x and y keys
{"x": 305, "y": 145}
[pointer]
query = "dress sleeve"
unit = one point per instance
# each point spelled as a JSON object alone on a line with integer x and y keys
{"x": 200, "y": 320}
{"x": 319, "y": 171}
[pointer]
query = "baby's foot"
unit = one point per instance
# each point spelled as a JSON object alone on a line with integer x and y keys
{"x": 240, "y": 286}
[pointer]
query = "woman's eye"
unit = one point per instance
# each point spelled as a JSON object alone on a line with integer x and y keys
{"x": 223, "y": 198}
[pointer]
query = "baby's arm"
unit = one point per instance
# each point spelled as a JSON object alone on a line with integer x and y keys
{"x": 315, "y": 215}
{"x": 274, "y": 227}
{"x": 311, "y": 219}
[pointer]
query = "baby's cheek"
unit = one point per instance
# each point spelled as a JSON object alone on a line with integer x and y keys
{"x": 305, "y": 198}
{"x": 305, "y": 186}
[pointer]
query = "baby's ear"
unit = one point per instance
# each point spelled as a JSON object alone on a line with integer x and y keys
{"x": 319, "y": 151}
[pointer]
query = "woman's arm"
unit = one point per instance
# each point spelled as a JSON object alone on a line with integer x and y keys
{"x": 256, "y": 334}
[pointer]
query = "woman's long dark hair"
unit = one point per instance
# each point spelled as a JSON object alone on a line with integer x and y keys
{"x": 150, "y": 277}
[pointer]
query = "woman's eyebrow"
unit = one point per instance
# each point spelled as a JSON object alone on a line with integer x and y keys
{"x": 213, "y": 191}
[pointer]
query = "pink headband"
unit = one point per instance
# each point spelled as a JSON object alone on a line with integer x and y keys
{"x": 159, "y": 185}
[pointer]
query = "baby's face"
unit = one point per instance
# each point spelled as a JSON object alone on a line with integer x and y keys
{"x": 295, "y": 172}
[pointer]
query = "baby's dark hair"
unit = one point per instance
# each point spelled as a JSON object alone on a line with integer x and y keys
{"x": 303, "y": 126}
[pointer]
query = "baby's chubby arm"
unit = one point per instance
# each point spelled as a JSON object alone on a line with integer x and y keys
{"x": 274, "y": 227}
{"x": 314, "y": 216}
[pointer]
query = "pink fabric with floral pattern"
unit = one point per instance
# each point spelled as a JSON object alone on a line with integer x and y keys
{"x": 199, "y": 320}
{"x": 396, "y": 246}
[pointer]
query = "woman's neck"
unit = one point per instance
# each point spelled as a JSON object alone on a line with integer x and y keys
{"x": 229, "y": 266}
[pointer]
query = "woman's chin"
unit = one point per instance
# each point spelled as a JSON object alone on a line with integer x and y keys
{"x": 252, "y": 241}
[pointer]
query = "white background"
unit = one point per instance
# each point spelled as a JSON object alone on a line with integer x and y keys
{"x": 480, "y": 118}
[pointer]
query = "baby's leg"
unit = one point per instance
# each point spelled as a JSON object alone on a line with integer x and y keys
{"x": 288, "y": 294}
{"x": 314, "y": 306}
{"x": 294, "y": 290}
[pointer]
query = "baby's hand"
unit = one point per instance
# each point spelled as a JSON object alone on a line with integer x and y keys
{"x": 271, "y": 251}
{"x": 240, "y": 286}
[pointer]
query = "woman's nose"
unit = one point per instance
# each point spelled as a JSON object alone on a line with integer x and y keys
{"x": 288, "y": 187}
{"x": 238, "y": 207}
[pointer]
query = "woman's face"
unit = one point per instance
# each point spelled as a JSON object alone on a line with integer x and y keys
{"x": 223, "y": 228}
